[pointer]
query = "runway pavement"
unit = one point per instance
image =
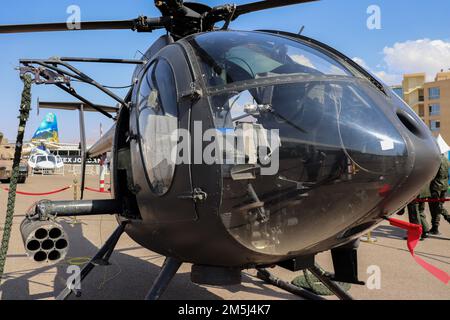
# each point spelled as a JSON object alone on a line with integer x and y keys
{"x": 134, "y": 268}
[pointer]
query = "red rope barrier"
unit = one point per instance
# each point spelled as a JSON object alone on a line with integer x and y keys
{"x": 96, "y": 190}
{"x": 40, "y": 193}
{"x": 33, "y": 194}
{"x": 431, "y": 200}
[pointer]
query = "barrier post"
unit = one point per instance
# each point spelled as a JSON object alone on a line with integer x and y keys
{"x": 102, "y": 173}
{"x": 102, "y": 178}
{"x": 368, "y": 238}
{"x": 75, "y": 197}
{"x": 75, "y": 189}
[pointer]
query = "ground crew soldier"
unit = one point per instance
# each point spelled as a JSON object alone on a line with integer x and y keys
{"x": 438, "y": 189}
{"x": 416, "y": 211}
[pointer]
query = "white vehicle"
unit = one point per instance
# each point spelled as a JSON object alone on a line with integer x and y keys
{"x": 45, "y": 163}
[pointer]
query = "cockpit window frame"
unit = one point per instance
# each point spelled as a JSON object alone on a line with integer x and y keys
{"x": 153, "y": 64}
{"x": 347, "y": 63}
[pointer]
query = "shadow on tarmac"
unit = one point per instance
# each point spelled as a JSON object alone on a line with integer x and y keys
{"x": 426, "y": 255}
{"x": 389, "y": 232}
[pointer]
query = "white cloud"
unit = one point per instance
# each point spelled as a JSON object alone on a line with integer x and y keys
{"x": 423, "y": 55}
{"x": 390, "y": 79}
{"x": 301, "y": 59}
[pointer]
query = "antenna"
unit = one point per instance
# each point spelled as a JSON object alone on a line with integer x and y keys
{"x": 301, "y": 30}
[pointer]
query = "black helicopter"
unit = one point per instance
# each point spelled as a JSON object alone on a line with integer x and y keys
{"x": 326, "y": 150}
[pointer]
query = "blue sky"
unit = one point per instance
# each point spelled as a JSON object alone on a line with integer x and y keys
{"x": 414, "y": 37}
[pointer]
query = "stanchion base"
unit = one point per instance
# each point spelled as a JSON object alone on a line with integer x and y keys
{"x": 368, "y": 239}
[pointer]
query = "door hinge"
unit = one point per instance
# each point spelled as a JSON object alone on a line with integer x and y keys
{"x": 198, "y": 195}
{"x": 194, "y": 94}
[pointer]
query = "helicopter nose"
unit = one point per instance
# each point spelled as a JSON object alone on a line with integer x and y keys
{"x": 346, "y": 160}
{"x": 423, "y": 155}
{"x": 398, "y": 147}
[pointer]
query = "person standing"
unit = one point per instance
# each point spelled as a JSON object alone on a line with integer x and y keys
{"x": 416, "y": 211}
{"x": 438, "y": 190}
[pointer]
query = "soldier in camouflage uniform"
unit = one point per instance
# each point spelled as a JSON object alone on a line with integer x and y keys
{"x": 438, "y": 189}
{"x": 416, "y": 211}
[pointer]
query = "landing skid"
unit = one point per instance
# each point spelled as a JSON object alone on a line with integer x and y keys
{"x": 322, "y": 276}
{"x": 266, "y": 276}
{"x": 331, "y": 285}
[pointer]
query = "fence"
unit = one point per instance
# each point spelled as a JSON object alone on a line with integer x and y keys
{"x": 70, "y": 169}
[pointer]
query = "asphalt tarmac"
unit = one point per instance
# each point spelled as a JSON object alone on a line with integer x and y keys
{"x": 134, "y": 268}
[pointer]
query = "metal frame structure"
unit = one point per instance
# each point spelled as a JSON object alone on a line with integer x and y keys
{"x": 100, "y": 258}
{"x": 49, "y": 71}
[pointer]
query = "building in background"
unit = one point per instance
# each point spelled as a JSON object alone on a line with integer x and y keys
{"x": 413, "y": 92}
{"x": 437, "y": 102}
{"x": 430, "y": 100}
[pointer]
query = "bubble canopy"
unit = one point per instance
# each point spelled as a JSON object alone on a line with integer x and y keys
{"x": 340, "y": 151}
{"x": 229, "y": 57}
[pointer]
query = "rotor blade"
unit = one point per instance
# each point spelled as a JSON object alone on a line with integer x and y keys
{"x": 267, "y": 4}
{"x": 140, "y": 24}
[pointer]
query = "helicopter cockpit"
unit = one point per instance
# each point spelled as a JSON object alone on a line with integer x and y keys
{"x": 290, "y": 133}
{"x": 299, "y": 90}
{"x": 316, "y": 138}
{"x": 230, "y": 57}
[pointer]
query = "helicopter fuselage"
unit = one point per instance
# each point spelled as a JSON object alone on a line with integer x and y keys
{"x": 310, "y": 150}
